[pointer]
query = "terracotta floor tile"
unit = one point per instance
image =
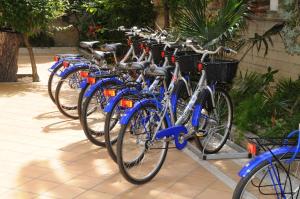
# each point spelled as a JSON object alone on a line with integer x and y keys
{"x": 16, "y": 194}
{"x": 64, "y": 191}
{"x": 214, "y": 194}
{"x": 94, "y": 195}
{"x": 37, "y": 186}
{"x": 13, "y": 181}
{"x": 172, "y": 196}
{"x": 84, "y": 182}
{"x": 114, "y": 185}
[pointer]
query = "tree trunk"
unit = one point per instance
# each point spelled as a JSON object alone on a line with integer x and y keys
{"x": 166, "y": 14}
{"x": 9, "y": 50}
{"x": 35, "y": 76}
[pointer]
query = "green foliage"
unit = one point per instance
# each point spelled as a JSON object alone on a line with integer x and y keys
{"x": 209, "y": 28}
{"x": 29, "y": 16}
{"x": 264, "y": 108}
{"x": 94, "y": 18}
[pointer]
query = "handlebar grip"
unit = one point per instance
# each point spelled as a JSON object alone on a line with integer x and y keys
{"x": 229, "y": 50}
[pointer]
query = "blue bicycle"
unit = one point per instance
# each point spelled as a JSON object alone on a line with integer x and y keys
{"x": 274, "y": 173}
{"x": 148, "y": 127}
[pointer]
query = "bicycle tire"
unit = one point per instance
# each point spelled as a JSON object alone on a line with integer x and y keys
{"x": 239, "y": 189}
{"x": 51, "y": 93}
{"x": 80, "y": 100}
{"x": 198, "y": 140}
{"x": 63, "y": 109}
{"x": 84, "y": 120}
{"x": 123, "y": 164}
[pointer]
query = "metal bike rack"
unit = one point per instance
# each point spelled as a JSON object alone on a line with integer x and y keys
{"x": 236, "y": 152}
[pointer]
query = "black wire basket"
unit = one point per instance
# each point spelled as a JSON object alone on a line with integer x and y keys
{"x": 187, "y": 60}
{"x": 222, "y": 71}
{"x": 156, "y": 50}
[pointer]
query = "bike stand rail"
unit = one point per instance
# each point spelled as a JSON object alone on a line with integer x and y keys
{"x": 240, "y": 154}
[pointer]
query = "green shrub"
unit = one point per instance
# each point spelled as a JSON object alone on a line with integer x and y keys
{"x": 265, "y": 109}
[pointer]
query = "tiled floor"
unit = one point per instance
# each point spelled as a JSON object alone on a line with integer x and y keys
{"x": 46, "y": 155}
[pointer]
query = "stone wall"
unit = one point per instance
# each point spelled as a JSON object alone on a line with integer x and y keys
{"x": 68, "y": 37}
{"x": 277, "y": 58}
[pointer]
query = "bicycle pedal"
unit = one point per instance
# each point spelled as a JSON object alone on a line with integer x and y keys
{"x": 200, "y": 134}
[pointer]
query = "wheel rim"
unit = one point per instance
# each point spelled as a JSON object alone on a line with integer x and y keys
{"x": 260, "y": 184}
{"x": 69, "y": 92}
{"x": 217, "y": 123}
{"x": 142, "y": 158}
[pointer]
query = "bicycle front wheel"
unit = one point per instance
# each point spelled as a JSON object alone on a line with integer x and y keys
{"x": 139, "y": 157}
{"x": 271, "y": 179}
{"x": 216, "y": 121}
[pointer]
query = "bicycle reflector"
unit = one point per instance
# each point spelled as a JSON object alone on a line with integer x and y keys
{"x": 126, "y": 103}
{"x": 66, "y": 64}
{"x": 91, "y": 80}
{"x": 129, "y": 42}
{"x": 84, "y": 74}
{"x": 200, "y": 67}
{"x": 141, "y": 46}
{"x": 163, "y": 54}
{"x": 173, "y": 59}
{"x": 109, "y": 92}
{"x": 56, "y": 58}
{"x": 252, "y": 148}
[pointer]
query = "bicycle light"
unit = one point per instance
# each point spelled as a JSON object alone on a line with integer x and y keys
{"x": 126, "y": 103}
{"x": 141, "y": 46}
{"x": 252, "y": 148}
{"x": 91, "y": 80}
{"x": 56, "y": 58}
{"x": 173, "y": 59}
{"x": 109, "y": 92}
{"x": 66, "y": 64}
{"x": 163, "y": 54}
{"x": 200, "y": 67}
{"x": 84, "y": 74}
{"x": 129, "y": 42}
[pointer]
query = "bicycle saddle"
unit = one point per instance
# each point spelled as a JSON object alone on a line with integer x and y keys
{"x": 101, "y": 55}
{"x": 156, "y": 71}
{"x": 135, "y": 65}
{"x": 68, "y": 55}
{"x": 111, "y": 47}
{"x": 88, "y": 44}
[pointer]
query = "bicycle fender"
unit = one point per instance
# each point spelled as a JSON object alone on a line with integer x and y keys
{"x": 99, "y": 84}
{"x": 128, "y": 113}
{"x": 112, "y": 101}
{"x": 267, "y": 156}
{"x": 196, "y": 115}
{"x": 174, "y": 98}
{"x": 175, "y": 132}
{"x": 73, "y": 68}
{"x": 83, "y": 83}
{"x": 57, "y": 64}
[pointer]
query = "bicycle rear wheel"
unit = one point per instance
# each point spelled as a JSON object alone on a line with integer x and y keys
{"x": 81, "y": 100}
{"x": 140, "y": 158}
{"x": 111, "y": 129}
{"x": 274, "y": 179}
{"x": 216, "y": 121}
{"x": 67, "y": 93}
{"x": 53, "y": 81}
{"x": 93, "y": 116}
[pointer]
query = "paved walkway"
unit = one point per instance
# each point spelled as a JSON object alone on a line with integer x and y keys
{"x": 45, "y": 155}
